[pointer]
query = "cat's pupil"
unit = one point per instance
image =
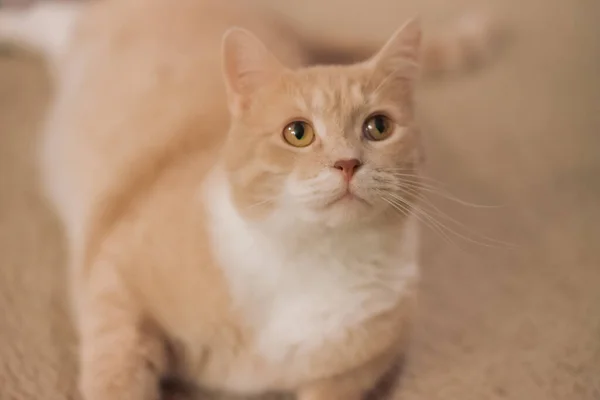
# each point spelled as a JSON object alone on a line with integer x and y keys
{"x": 298, "y": 130}
{"x": 380, "y": 124}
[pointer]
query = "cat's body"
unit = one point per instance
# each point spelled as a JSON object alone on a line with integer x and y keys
{"x": 267, "y": 266}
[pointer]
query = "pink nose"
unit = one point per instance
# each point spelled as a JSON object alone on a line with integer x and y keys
{"x": 348, "y": 167}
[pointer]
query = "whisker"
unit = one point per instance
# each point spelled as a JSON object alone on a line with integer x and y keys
{"x": 400, "y": 205}
{"x": 451, "y": 197}
{"x": 441, "y": 214}
{"x": 433, "y": 186}
{"x": 454, "y": 232}
{"x": 403, "y": 172}
{"x": 402, "y": 209}
{"x": 440, "y": 227}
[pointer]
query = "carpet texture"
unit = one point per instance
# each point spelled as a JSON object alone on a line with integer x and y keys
{"x": 495, "y": 322}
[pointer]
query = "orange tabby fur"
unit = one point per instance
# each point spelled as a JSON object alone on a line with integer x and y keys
{"x": 230, "y": 247}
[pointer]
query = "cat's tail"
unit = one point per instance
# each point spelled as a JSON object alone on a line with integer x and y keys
{"x": 44, "y": 26}
{"x": 471, "y": 41}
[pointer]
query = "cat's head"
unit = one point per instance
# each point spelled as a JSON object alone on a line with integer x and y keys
{"x": 333, "y": 145}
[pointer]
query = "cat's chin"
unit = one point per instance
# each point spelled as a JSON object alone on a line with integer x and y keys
{"x": 342, "y": 212}
{"x": 347, "y": 199}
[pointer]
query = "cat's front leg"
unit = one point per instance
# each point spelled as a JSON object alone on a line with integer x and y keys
{"x": 121, "y": 356}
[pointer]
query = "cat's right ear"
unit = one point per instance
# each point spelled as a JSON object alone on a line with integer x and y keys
{"x": 400, "y": 55}
{"x": 247, "y": 66}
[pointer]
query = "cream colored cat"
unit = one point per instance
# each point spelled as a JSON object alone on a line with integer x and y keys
{"x": 253, "y": 235}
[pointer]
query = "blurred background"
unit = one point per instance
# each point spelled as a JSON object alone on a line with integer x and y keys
{"x": 523, "y": 133}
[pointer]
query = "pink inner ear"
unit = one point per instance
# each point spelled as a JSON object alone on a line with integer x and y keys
{"x": 248, "y": 64}
{"x": 401, "y": 52}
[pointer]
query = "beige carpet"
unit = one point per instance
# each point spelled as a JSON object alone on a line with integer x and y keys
{"x": 495, "y": 322}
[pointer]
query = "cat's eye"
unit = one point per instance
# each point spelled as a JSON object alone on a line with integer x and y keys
{"x": 299, "y": 134}
{"x": 377, "y": 127}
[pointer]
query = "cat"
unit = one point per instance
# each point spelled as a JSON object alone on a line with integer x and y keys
{"x": 232, "y": 214}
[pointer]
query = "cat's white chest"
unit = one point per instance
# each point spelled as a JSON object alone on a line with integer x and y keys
{"x": 299, "y": 301}
{"x": 300, "y": 297}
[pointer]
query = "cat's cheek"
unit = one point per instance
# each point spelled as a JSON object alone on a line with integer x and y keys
{"x": 293, "y": 190}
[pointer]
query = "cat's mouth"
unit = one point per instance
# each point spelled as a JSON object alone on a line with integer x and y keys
{"x": 348, "y": 197}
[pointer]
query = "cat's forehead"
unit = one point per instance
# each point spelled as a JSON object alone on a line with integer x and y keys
{"x": 326, "y": 89}
{"x": 342, "y": 92}
{"x": 322, "y": 89}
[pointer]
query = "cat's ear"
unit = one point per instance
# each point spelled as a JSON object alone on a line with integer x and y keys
{"x": 247, "y": 66}
{"x": 401, "y": 52}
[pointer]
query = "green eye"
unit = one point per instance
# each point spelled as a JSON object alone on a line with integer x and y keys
{"x": 299, "y": 134}
{"x": 377, "y": 127}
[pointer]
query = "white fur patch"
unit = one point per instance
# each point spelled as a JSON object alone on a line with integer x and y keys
{"x": 300, "y": 290}
{"x": 320, "y": 127}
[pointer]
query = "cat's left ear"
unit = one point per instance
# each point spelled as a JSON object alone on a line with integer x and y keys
{"x": 247, "y": 66}
{"x": 400, "y": 55}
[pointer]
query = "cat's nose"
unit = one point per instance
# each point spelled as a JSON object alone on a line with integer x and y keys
{"x": 348, "y": 167}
